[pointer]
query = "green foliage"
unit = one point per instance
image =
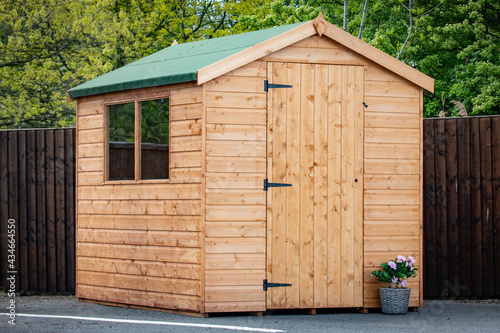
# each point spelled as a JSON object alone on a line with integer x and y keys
{"x": 397, "y": 271}
{"x": 49, "y": 46}
{"x": 155, "y": 121}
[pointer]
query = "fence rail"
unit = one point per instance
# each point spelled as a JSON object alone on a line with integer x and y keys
{"x": 462, "y": 207}
{"x": 37, "y": 190}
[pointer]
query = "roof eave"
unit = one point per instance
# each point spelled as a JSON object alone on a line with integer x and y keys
{"x": 255, "y": 52}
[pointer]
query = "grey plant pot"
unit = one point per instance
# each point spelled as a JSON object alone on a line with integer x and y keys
{"x": 394, "y": 300}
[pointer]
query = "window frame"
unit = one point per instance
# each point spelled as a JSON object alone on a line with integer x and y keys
{"x": 137, "y": 140}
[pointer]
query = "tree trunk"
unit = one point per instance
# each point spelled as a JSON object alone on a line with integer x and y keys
{"x": 346, "y": 4}
{"x": 363, "y": 19}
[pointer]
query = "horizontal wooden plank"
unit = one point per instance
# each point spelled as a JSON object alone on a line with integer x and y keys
{"x": 392, "y": 166}
{"x": 91, "y": 121}
{"x": 317, "y": 56}
{"x": 185, "y": 143}
{"x": 235, "y": 212}
{"x": 185, "y": 112}
{"x": 235, "y": 277}
{"x": 392, "y": 135}
{"x": 186, "y": 96}
{"x": 90, "y": 164}
{"x": 235, "y": 164}
{"x": 374, "y": 259}
{"x": 185, "y": 159}
{"x": 90, "y": 150}
{"x": 237, "y": 100}
{"x": 233, "y": 83}
{"x": 234, "y": 294}
{"x": 141, "y": 298}
{"x": 374, "y": 72}
{"x": 235, "y": 229}
{"x": 140, "y": 267}
{"x": 235, "y": 197}
{"x": 392, "y": 120}
{"x": 317, "y": 41}
{"x": 250, "y": 261}
{"x": 391, "y": 89}
{"x": 391, "y": 228}
{"x": 391, "y": 197}
{"x": 235, "y": 180}
{"x": 213, "y": 307}
{"x": 140, "y": 192}
{"x": 134, "y": 222}
{"x": 371, "y": 289}
{"x": 90, "y": 178}
{"x": 236, "y": 148}
{"x": 391, "y": 243}
{"x": 87, "y": 108}
{"x": 392, "y": 150}
{"x": 236, "y": 116}
{"x": 90, "y": 136}
{"x": 185, "y": 175}
{"x": 140, "y": 237}
{"x": 134, "y": 252}
{"x": 392, "y": 104}
{"x": 236, "y": 132}
{"x": 391, "y": 182}
{"x": 140, "y": 207}
{"x": 391, "y": 213}
{"x": 145, "y": 283}
{"x": 235, "y": 245}
{"x": 255, "y": 68}
{"x": 185, "y": 127}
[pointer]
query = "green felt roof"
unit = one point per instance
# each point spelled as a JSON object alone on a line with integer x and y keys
{"x": 175, "y": 64}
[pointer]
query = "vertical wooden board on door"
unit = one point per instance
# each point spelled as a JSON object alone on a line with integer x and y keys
{"x": 347, "y": 201}
{"x": 334, "y": 183}
{"x": 306, "y": 186}
{"x": 320, "y": 186}
{"x": 293, "y": 177}
{"x": 279, "y": 205}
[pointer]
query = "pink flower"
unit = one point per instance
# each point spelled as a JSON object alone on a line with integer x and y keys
{"x": 401, "y": 259}
{"x": 411, "y": 259}
{"x": 411, "y": 268}
{"x": 394, "y": 280}
{"x": 392, "y": 264}
{"x": 403, "y": 283}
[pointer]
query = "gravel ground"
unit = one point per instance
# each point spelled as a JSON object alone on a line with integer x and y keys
{"x": 435, "y": 316}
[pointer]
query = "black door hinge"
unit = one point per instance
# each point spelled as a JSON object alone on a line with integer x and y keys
{"x": 268, "y": 85}
{"x": 268, "y": 184}
{"x": 274, "y": 285}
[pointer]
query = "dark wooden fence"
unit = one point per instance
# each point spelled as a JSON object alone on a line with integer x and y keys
{"x": 37, "y": 190}
{"x": 462, "y": 207}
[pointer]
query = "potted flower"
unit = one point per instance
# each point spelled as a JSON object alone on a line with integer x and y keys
{"x": 394, "y": 299}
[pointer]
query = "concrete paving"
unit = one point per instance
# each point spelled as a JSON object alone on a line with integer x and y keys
{"x": 41, "y": 314}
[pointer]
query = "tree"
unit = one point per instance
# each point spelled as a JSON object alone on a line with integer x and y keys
{"x": 49, "y": 46}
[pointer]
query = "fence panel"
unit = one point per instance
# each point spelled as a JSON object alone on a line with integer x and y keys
{"x": 462, "y": 207}
{"x": 37, "y": 190}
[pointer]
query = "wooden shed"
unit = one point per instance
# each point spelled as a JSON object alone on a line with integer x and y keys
{"x": 180, "y": 157}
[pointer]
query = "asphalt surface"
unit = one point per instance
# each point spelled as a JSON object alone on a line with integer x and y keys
{"x": 42, "y": 314}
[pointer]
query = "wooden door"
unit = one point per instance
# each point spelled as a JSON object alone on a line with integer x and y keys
{"x": 315, "y": 227}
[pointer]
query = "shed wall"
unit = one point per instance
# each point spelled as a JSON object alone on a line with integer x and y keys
{"x": 235, "y": 157}
{"x": 235, "y": 259}
{"x": 139, "y": 242}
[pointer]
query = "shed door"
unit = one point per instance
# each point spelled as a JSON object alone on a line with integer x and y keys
{"x": 315, "y": 227}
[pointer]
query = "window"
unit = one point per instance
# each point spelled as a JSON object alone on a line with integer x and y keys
{"x": 138, "y": 140}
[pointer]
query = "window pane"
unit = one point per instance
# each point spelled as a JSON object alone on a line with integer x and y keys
{"x": 121, "y": 141}
{"x": 154, "y": 139}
